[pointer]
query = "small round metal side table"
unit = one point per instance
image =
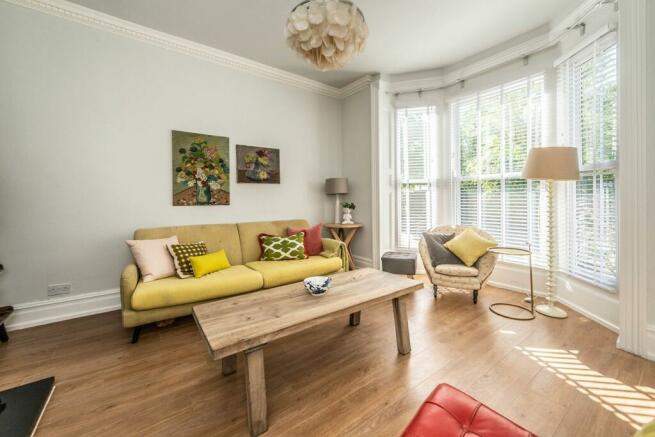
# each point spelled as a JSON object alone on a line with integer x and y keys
{"x": 515, "y": 251}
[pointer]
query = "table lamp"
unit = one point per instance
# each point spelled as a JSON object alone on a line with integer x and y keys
{"x": 336, "y": 186}
{"x": 551, "y": 164}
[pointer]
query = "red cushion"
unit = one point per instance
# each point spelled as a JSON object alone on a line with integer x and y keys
{"x": 449, "y": 412}
{"x": 313, "y": 243}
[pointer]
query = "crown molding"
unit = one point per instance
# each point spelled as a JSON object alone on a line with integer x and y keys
{"x": 102, "y": 21}
{"x": 355, "y": 86}
{"x": 502, "y": 57}
{"x": 426, "y": 83}
{"x": 559, "y": 29}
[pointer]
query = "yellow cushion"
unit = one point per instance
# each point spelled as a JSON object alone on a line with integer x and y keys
{"x": 469, "y": 246}
{"x": 285, "y": 272}
{"x": 175, "y": 291}
{"x": 210, "y": 263}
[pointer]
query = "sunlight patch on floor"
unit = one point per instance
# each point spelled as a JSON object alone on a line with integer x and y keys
{"x": 632, "y": 404}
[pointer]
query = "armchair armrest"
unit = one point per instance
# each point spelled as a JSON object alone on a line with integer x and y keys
{"x": 129, "y": 279}
{"x": 486, "y": 265}
{"x": 333, "y": 248}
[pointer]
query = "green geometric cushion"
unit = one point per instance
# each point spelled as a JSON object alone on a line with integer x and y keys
{"x": 276, "y": 248}
{"x": 181, "y": 254}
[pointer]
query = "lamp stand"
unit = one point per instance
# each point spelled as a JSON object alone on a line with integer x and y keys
{"x": 337, "y": 199}
{"x": 549, "y": 309}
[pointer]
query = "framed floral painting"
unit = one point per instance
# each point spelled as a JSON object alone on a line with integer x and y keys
{"x": 258, "y": 165}
{"x": 201, "y": 169}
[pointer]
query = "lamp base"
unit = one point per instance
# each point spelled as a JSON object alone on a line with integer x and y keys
{"x": 551, "y": 311}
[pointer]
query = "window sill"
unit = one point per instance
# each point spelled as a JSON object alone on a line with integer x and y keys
{"x": 540, "y": 269}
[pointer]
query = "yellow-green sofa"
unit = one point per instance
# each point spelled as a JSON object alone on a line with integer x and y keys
{"x": 167, "y": 298}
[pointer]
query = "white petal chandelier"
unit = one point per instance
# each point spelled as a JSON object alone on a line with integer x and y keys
{"x": 327, "y": 33}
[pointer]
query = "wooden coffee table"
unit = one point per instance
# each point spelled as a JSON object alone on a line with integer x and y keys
{"x": 247, "y": 322}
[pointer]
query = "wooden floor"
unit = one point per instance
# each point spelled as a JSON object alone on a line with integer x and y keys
{"x": 556, "y": 377}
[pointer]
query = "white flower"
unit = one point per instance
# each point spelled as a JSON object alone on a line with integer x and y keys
{"x": 215, "y": 185}
{"x": 190, "y": 183}
{"x": 200, "y": 175}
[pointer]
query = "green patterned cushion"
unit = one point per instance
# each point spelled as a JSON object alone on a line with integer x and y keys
{"x": 276, "y": 248}
{"x": 181, "y": 254}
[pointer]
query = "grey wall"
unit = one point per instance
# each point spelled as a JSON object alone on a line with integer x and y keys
{"x": 356, "y": 153}
{"x": 85, "y": 148}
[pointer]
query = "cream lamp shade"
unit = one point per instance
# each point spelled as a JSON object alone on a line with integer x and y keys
{"x": 336, "y": 186}
{"x": 552, "y": 163}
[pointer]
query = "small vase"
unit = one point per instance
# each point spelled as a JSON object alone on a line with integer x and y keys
{"x": 347, "y": 217}
{"x": 255, "y": 174}
{"x": 203, "y": 194}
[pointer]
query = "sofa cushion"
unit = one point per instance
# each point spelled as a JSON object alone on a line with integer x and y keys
{"x": 276, "y": 248}
{"x": 175, "y": 291}
{"x": 438, "y": 252}
{"x": 285, "y": 272}
{"x": 153, "y": 258}
{"x": 456, "y": 270}
{"x": 469, "y": 246}
{"x": 181, "y": 254}
{"x": 313, "y": 241}
{"x": 249, "y": 231}
{"x": 216, "y": 237}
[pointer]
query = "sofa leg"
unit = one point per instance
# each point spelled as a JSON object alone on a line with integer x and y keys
{"x": 135, "y": 334}
{"x": 475, "y": 296}
{"x": 435, "y": 291}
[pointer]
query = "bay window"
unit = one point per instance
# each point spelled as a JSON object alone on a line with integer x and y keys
{"x": 587, "y": 98}
{"x": 492, "y": 132}
{"x": 416, "y": 134}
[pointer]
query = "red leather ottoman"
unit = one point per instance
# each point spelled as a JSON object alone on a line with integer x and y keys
{"x": 448, "y": 412}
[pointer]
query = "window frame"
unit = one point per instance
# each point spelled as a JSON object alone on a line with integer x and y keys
{"x": 539, "y": 259}
{"x": 429, "y": 181}
{"x": 570, "y": 131}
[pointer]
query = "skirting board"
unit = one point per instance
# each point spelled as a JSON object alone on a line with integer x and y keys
{"x": 513, "y": 269}
{"x": 53, "y": 310}
{"x": 650, "y": 343}
{"x": 361, "y": 261}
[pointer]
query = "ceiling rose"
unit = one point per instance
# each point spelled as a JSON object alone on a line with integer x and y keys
{"x": 327, "y": 33}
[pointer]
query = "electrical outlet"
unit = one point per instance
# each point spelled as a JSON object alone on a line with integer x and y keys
{"x": 59, "y": 289}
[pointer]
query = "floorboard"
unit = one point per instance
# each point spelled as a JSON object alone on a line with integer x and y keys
{"x": 555, "y": 377}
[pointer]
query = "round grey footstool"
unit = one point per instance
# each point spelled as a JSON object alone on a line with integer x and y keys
{"x": 401, "y": 263}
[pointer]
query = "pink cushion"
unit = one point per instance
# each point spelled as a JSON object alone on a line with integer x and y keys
{"x": 152, "y": 257}
{"x": 313, "y": 243}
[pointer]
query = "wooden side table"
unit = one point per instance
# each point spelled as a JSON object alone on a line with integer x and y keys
{"x": 345, "y": 233}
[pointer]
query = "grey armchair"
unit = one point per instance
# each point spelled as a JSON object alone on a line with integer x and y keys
{"x": 458, "y": 276}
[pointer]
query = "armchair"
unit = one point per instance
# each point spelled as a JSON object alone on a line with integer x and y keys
{"x": 458, "y": 276}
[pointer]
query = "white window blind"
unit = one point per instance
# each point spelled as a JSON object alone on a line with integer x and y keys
{"x": 416, "y": 142}
{"x": 587, "y": 99}
{"x": 492, "y": 132}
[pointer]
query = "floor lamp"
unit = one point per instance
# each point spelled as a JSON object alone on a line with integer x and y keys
{"x": 551, "y": 164}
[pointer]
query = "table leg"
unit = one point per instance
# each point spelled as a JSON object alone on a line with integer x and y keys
{"x": 229, "y": 365}
{"x": 256, "y": 391}
{"x": 402, "y": 327}
{"x": 355, "y": 318}
{"x": 347, "y": 240}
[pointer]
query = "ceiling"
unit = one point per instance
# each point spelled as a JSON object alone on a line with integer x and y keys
{"x": 405, "y": 36}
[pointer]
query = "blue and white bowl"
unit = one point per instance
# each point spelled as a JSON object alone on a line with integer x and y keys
{"x": 317, "y": 285}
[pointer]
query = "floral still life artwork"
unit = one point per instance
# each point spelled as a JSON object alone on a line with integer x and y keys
{"x": 258, "y": 165}
{"x": 201, "y": 172}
